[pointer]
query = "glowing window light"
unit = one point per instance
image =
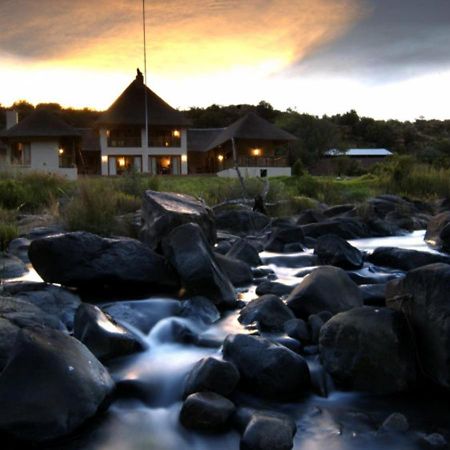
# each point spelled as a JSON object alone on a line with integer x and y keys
{"x": 176, "y": 133}
{"x": 184, "y": 158}
{"x": 121, "y": 162}
{"x": 220, "y": 158}
{"x": 104, "y": 159}
{"x": 256, "y": 152}
{"x": 61, "y": 151}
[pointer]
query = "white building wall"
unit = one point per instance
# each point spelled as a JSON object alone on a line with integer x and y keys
{"x": 256, "y": 172}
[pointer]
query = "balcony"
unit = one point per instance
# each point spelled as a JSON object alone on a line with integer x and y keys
{"x": 256, "y": 161}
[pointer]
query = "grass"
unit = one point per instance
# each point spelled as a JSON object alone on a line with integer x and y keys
{"x": 8, "y": 228}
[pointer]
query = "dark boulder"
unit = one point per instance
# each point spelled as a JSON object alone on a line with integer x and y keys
{"x": 423, "y": 296}
{"x": 164, "y": 211}
{"x": 373, "y": 294}
{"x": 104, "y": 337}
{"x": 267, "y": 430}
{"x": 404, "y": 259}
{"x": 332, "y": 250}
{"x": 11, "y": 266}
{"x": 297, "y": 329}
{"x": 238, "y": 272}
{"x": 214, "y": 375}
{"x": 310, "y": 216}
{"x": 241, "y": 222}
{"x": 187, "y": 249}
{"x": 338, "y": 210}
{"x": 268, "y": 311}
{"x": 244, "y": 251}
{"x": 200, "y": 309}
{"x": 281, "y": 237}
{"x": 86, "y": 260}
{"x": 346, "y": 228}
{"x": 369, "y": 349}
{"x": 438, "y": 231}
{"x": 327, "y": 288}
{"x": 51, "y": 385}
{"x": 206, "y": 411}
{"x": 297, "y": 261}
{"x": 267, "y": 369}
{"x": 19, "y": 247}
{"x": 272, "y": 287}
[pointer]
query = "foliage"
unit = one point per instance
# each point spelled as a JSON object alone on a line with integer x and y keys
{"x": 298, "y": 168}
{"x": 8, "y": 229}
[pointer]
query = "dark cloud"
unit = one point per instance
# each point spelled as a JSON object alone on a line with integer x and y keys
{"x": 398, "y": 39}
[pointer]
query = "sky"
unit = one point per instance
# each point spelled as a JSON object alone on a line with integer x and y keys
{"x": 383, "y": 58}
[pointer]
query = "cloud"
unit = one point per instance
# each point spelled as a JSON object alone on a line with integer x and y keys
{"x": 183, "y": 36}
{"x": 398, "y": 39}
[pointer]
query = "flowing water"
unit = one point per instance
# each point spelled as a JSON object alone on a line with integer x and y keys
{"x": 146, "y": 414}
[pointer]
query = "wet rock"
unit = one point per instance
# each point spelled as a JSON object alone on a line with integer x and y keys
{"x": 214, "y": 375}
{"x": 44, "y": 231}
{"x": 241, "y": 222}
{"x": 283, "y": 236}
{"x": 338, "y": 210}
{"x": 434, "y": 440}
{"x": 244, "y": 251}
{"x": 190, "y": 254}
{"x": 268, "y": 311}
{"x": 264, "y": 272}
{"x": 310, "y": 216}
{"x": 346, "y": 228}
{"x": 286, "y": 341}
{"x": 89, "y": 261}
{"x": 267, "y": 369}
{"x": 423, "y": 297}
{"x": 175, "y": 329}
{"x": 104, "y": 337}
{"x": 142, "y": 314}
{"x": 200, "y": 308}
{"x": 369, "y": 349}
{"x": 438, "y": 231}
{"x": 315, "y": 323}
{"x": 297, "y": 329}
{"x": 404, "y": 259}
{"x": 19, "y": 248}
{"x": 334, "y": 251}
{"x": 401, "y": 220}
{"x": 272, "y": 287}
{"x": 268, "y": 431}
{"x": 164, "y": 211}
{"x": 11, "y": 267}
{"x": 53, "y": 300}
{"x": 223, "y": 247}
{"x": 238, "y": 272}
{"x": 206, "y": 411}
{"x": 373, "y": 294}
{"x": 396, "y": 423}
{"x": 325, "y": 289}
{"x": 50, "y": 386}
{"x": 293, "y": 262}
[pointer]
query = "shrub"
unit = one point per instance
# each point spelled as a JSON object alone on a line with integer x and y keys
{"x": 298, "y": 168}
{"x": 8, "y": 232}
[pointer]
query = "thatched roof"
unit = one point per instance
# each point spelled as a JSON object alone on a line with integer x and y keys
{"x": 40, "y": 123}
{"x": 252, "y": 127}
{"x": 129, "y": 108}
{"x": 198, "y": 139}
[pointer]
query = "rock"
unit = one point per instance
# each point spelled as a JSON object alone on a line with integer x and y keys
{"x": 206, "y": 411}
{"x": 214, "y": 375}
{"x": 41, "y": 232}
{"x": 269, "y": 431}
{"x": 438, "y": 231}
{"x": 86, "y": 260}
{"x": 396, "y": 423}
{"x": 142, "y": 314}
{"x": 187, "y": 249}
{"x": 338, "y": 210}
{"x": 373, "y": 294}
{"x": 404, "y": 259}
{"x": 325, "y": 289}
{"x": 423, "y": 297}
{"x": 310, "y": 216}
{"x": 272, "y": 287}
{"x": 11, "y": 267}
{"x": 293, "y": 262}
{"x": 223, "y": 247}
{"x": 51, "y": 385}
{"x": 346, "y": 228}
{"x": 401, "y": 220}
{"x": 19, "y": 248}
{"x": 53, "y": 300}
{"x": 315, "y": 323}
{"x": 334, "y": 251}
{"x": 297, "y": 329}
{"x": 238, "y": 272}
{"x": 267, "y": 369}
{"x": 104, "y": 337}
{"x": 282, "y": 236}
{"x": 200, "y": 308}
{"x": 369, "y": 349}
{"x": 268, "y": 311}
{"x": 434, "y": 440}
{"x": 164, "y": 211}
{"x": 241, "y": 222}
{"x": 244, "y": 251}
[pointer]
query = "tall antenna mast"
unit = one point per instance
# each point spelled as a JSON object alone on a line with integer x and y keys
{"x": 145, "y": 72}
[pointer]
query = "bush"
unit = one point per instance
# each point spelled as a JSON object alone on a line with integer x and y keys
{"x": 298, "y": 168}
{"x": 8, "y": 228}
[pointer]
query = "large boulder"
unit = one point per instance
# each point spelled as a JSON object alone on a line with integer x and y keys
{"x": 187, "y": 249}
{"x": 273, "y": 287}
{"x": 282, "y": 237}
{"x": 346, "y": 228}
{"x": 104, "y": 337}
{"x": 238, "y": 272}
{"x": 327, "y": 288}
{"x": 51, "y": 385}
{"x": 332, "y": 250}
{"x": 423, "y": 296}
{"x": 369, "y": 349}
{"x": 438, "y": 231}
{"x": 268, "y": 311}
{"x": 244, "y": 251}
{"x": 404, "y": 259}
{"x": 11, "y": 266}
{"x": 270, "y": 370}
{"x": 241, "y": 222}
{"x": 164, "y": 211}
{"x": 214, "y": 375}
{"x": 86, "y": 260}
